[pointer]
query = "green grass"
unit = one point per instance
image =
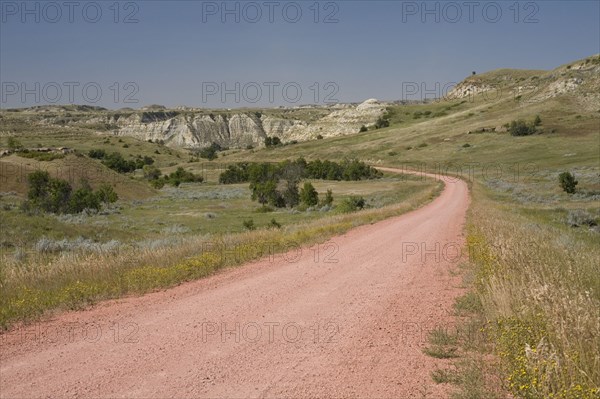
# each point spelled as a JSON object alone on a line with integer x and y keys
{"x": 41, "y": 282}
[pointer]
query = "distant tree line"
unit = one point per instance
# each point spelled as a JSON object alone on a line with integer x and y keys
{"x": 116, "y": 162}
{"x": 347, "y": 170}
{"x": 154, "y": 175}
{"x": 53, "y": 195}
{"x": 276, "y": 184}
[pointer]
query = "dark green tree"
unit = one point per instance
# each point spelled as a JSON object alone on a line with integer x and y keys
{"x": 567, "y": 182}
{"x": 308, "y": 195}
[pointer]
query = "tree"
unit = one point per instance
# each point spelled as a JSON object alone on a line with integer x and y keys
{"x": 264, "y": 192}
{"x": 308, "y": 195}
{"x": 537, "y": 121}
{"x": 567, "y": 182}
{"x": 328, "y": 200}
{"x": 288, "y": 192}
{"x": 38, "y": 184}
{"x": 210, "y": 152}
{"x": 83, "y": 198}
{"x": 106, "y": 194}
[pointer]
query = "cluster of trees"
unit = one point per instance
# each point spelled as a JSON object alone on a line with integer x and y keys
{"x": 53, "y": 195}
{"x": 276, "y": 184}
{"x": 153, "y": 174}
{"x": 116, "y": 162}
{"x": 210, "y": 152}
{"x": 522, "y": 128}
{"x": 348, "y": 170}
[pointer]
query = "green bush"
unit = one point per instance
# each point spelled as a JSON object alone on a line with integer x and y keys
{"x": 382, "y": 123}
{"x": 272, "y": 141}
{"x": 52, "y": 195}
{"x": 521, "y": 128}
{"x": 275, "y": 224}
{"x": 363, "y": 128}
{"x": 249, "y": 224}
{"x": 328, "y": 200}
{"x": 14, "y": 144}
{"x": 210, "y": 152}
{"x": 567, "y": 182}
{"x": 151, "y": 172}
{"x": 351, "y": 204}
{"x": 308, "y": 195}
{"x": 97, "y": 154}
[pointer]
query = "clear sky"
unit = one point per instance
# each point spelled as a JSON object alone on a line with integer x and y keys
{"x": 270, "y": 53}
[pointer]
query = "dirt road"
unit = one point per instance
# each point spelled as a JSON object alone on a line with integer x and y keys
{"x": 347, "y": 318}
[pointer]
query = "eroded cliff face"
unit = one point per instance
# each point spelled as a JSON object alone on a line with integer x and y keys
{"x": 237, "y": 130}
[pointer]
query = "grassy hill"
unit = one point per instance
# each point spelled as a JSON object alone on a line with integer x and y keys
{"x": 533, "y": 252}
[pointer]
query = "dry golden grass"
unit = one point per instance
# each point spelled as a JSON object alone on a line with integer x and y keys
{"x": 74, "y": 280}
{"x": 540, "y": 290}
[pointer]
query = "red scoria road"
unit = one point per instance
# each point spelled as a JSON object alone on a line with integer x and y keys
{"x": 348, "y": 318}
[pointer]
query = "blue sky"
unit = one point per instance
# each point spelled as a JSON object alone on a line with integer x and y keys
{"x": 183, "y": 53}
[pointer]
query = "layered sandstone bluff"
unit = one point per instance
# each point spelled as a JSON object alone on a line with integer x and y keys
{"x": 198, "y": 128}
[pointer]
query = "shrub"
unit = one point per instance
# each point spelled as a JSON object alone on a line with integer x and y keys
{"x": 351, "y": 204}
{"x": 14, "y": 144}
{"x": 83, "y": 198}
{"x": 107, "y": 194}
{"x": 272, "y": 141}
{"x": 308, "y": 195}
{"x": 319, "y": 137}
{"x": 97, "y": 154}
{"x": 521, "y": 128}
{"x": 249, "y": 224}
{"x": 537, "y": 121}
{"x": 363, "y": 128}
{"x": 382, "y": 123}
{"x": 183, "y": 176}
{"x": 328, "y": 200}
{"x": 567, "y": 182}
{"x": 151, "y": 172}
{"x": 580, "y": 217}
{"x": 210, "y": 152}
{"x": 275, "y": 224}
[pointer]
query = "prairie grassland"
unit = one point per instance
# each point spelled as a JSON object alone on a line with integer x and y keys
{"x": 74, "y": 279}
{"x": 539, "y": 285}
